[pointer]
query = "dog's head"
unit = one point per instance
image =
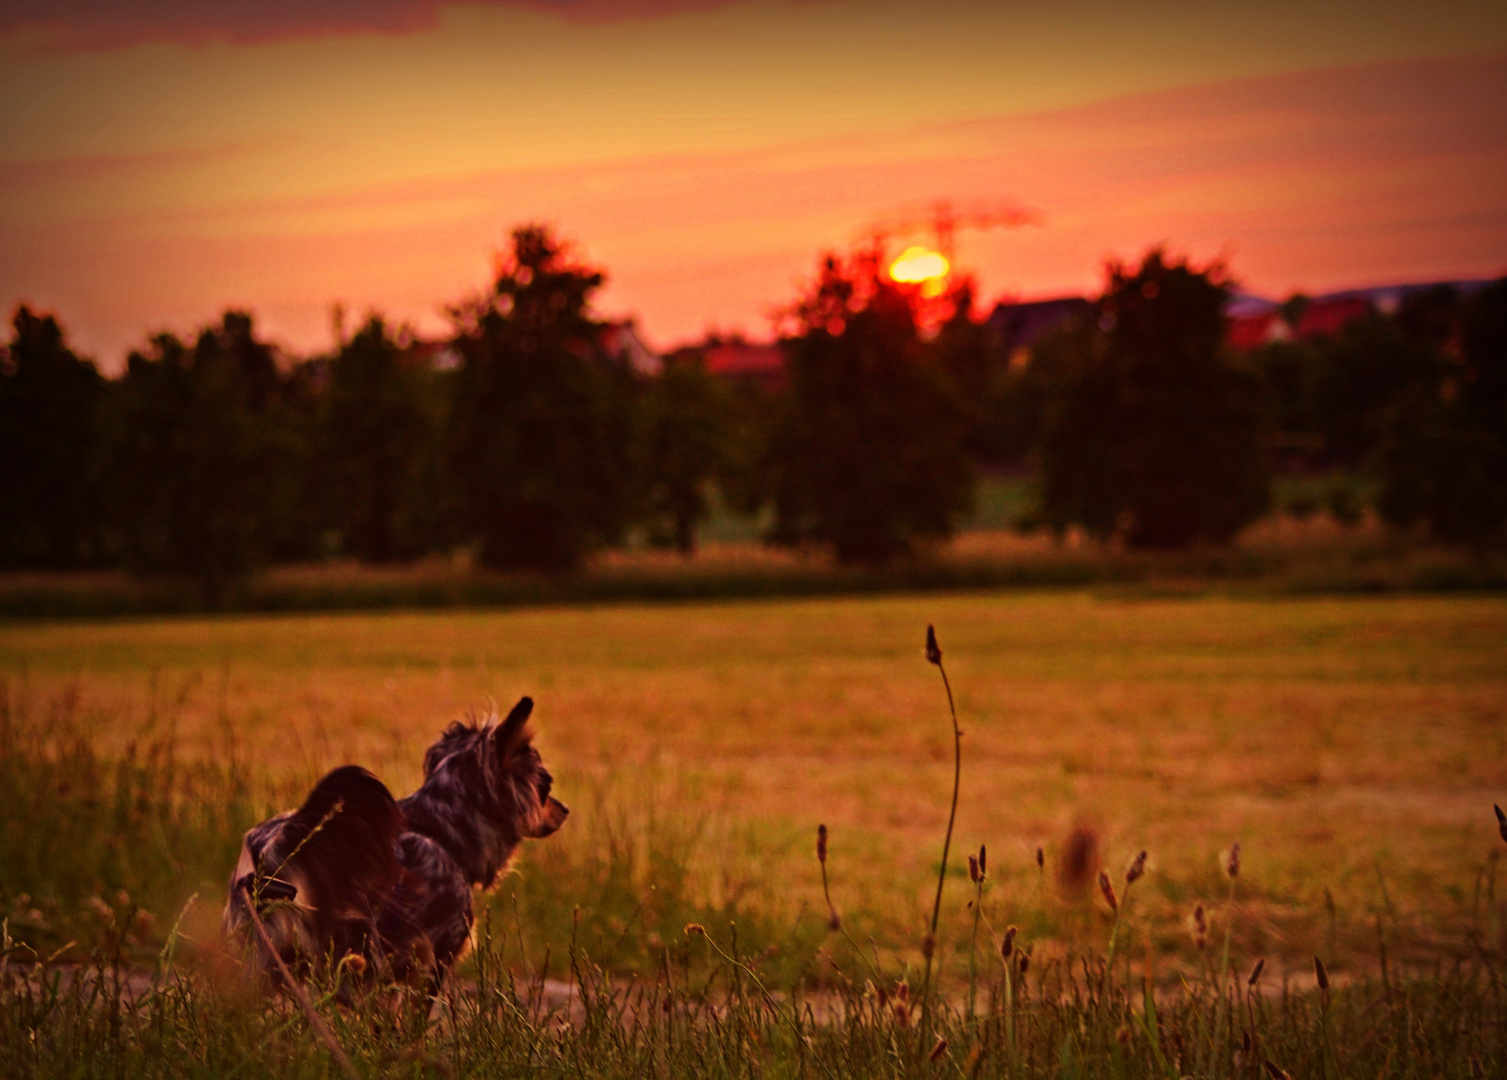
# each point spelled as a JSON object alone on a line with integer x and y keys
{"x": 493, "y": 770}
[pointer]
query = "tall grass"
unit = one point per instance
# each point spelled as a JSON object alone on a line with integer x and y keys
{"x": 1279, "y": 556}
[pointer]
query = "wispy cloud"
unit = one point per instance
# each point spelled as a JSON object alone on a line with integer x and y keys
{"x": 101, "y": 24}
{"x": 1312, "y": 179}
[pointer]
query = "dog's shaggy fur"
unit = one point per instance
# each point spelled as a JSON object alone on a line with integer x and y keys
{"x": 355, "y": 872}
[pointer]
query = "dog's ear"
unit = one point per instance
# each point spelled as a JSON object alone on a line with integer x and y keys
{"x": 514, "y": 729}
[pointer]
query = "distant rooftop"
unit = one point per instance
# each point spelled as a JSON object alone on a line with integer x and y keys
{"x": 741, "y": 360}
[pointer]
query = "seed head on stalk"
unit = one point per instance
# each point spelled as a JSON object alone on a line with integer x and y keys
{"x": 1108, "y": 890}
{"x": 834, "y": 921}
{"x": 1232, "y": 861}
{"x": 928, "y": 943}
{"x": 1501, "y": 820}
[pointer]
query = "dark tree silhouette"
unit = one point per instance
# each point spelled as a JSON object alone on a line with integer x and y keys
{"x": 49, "y": 449}
{"x": 1150, "y": 432}
{"x": 203, "y": 470}
{"x": 1443, "y": 457}
{"x": 687, "y": 415}
{"x": 867, "y": 453}
{"x": 379, "y": 437}
{"x": 1360, "y": 375}
{"x": 542, "y": 427}
{"x": 971, "y": 353}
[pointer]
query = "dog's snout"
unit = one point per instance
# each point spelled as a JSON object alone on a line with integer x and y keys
{"x": 551, "y": 816}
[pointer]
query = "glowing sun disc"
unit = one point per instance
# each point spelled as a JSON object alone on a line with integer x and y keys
{"x": 918, "y": 264}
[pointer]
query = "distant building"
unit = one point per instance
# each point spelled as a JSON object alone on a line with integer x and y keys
{"x": 1254, "y": 329}
{"x": 440, "y": 354}
{"x": 1020, "y": 325}
{"x": 621, "y": 340}
{"x": 762, "y": 364}
{"x": 1328, "y": 315}
{"x": 1255, "y": 321}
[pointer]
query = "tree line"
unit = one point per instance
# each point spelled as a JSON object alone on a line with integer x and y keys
{"x": 209, "y": 457}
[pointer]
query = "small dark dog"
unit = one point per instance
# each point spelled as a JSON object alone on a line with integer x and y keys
{"x": 354, "y": 872}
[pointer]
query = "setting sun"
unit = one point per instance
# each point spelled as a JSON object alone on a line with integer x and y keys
{"x": 919, "y": 264}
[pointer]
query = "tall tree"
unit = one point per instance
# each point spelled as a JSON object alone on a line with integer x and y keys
{"x": 1360, "y": 375}
{"x": 1151, "y": 432}
{"x": 378, "y": 447}
{"x": 201, "y": 472}
{"x": 867, "y": 455}
{"x": 1442, "y": 460}
{"x": 542, "y": 449}
{"x": 686, "y": 415}
{"x": 49, "y": 453}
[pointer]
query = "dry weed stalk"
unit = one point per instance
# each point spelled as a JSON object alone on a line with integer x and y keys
{"x": 1106, "y": 887}
{"x": 978, "y": 872}
{"x": 1133, "y": 873}
{"x": 928, "y": 944}
{"x": 834, "y": 921}
{"x": 321, "y": 1029}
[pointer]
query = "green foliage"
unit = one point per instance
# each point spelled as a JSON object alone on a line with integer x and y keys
{"x": 686, "y": 414}
{"x": 49, "y": 449}
{"x": 206, "y": 456}
{"x": 968, "y": 349}
{"x": 1443, "y": 460}
{"x": 1359, "y": 376}
{"x": 867, "y": 452}
{"x": 379, "y": 447}
{"x": 1149, "y": 431}
{"x": 542, "y": 416}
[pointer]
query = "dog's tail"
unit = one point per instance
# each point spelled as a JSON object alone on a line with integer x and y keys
{"x": 332, "y": 863}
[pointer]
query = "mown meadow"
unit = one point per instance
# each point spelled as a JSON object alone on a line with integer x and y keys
{"x": 1352, "y": 747}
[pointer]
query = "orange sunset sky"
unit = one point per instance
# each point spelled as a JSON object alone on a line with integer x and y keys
{"x": 161, "y": 160}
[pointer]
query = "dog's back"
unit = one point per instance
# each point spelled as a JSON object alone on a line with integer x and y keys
{"x": 319, "y": 876}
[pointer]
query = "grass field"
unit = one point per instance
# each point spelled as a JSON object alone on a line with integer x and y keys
{"x": 1353, "y": 747}
{"x": 1348, "y": 744}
